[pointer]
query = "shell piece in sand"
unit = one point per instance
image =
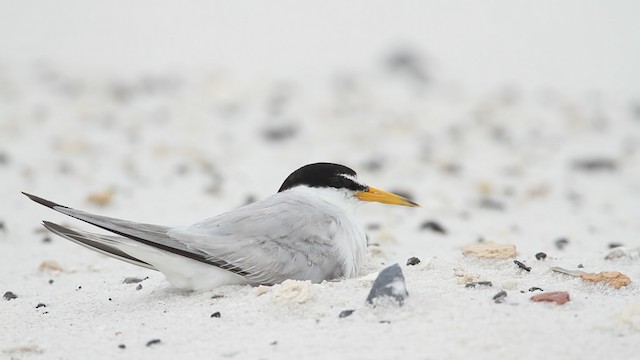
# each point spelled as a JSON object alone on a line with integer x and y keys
{"x": 490, "y": 250}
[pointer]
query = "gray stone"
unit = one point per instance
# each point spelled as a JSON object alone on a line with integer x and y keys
{"x": 389, "y": 285}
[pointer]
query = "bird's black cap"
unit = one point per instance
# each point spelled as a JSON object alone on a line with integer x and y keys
{"x": 323, "y": 175}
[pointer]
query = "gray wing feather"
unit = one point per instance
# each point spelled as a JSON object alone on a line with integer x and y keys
{"x": 271, "y": 240}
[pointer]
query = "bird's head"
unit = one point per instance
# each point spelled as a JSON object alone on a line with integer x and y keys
{"x": 339, "y": 179}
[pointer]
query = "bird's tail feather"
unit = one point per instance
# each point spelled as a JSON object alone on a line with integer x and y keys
{"x": 96, "y": 242}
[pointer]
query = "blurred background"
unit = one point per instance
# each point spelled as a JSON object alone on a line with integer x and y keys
{"x": 498, "y": 116}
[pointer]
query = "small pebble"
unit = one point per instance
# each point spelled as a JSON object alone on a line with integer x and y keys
{"x": 481, "y": 283}
{"x": 433, "y": 226}
{"x": 491, "y": 250}
{"x": 50, "y": 281}
{"x": 500, "y": 297}
{"x": 613, "y": 278}
{"x": 559, "y": 297}
{"x": 345, "y": 313}
{"x": 280, "y": 133}
{"x": 596, "y": 164}
{"x": 133, "y": 280}
{"x": 40, "y": 305}
{"x": 617, "y": 252}
{"x": 153, "y": 342}
{"x": 101, "y": 198}
{"x": 413, "y": 261}
{"x": 580, "y": 266}
{"x": 522, "y": 266}
{"x": 615, "y": 245}
{"x": 385, "y": 322}
{"x": 217, "y": 296}
{"x": 541, "y": 256}
{"x": 139, "y": 287}
{"x": 46, "y": 239}
{"x": 216, "y": 314}
{"x": 373, "y": 165}
{"x": 535, "y": 288}
{"x": 123, "y": 346}
{"x": 9, "y": 296}
{"x": 491, "y": 204}
{"x": 2, "y": 227}
{"x": 273, "y": 342}
{"x": 561, "y": 243}
{"x": 373, "y": 226}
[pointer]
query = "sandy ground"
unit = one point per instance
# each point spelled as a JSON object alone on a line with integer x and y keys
{"x": 545, "y": 170}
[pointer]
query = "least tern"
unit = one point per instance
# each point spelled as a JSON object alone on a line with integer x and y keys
{"x": 306, "y": 231}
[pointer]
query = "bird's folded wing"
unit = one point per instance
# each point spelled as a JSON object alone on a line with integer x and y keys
{"x": 271, "y": 241}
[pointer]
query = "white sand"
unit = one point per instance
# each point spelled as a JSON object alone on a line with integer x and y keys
{"x": 180, "y": 146}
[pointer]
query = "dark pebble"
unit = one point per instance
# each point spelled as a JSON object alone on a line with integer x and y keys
{"x": 373, "y": 165}
{"x": 535, "y": 288}
{"x": 500, "y": 297}
{"x": 345, "y": 313}
{"x": 433, "y": 226}
{"x": 133, "y": 280}
{"x": 2, "y": 227}
{"x": 615, "y": 245}
{"x": 46, "y": 239}
{"x": 481, "y": 283}
{"x": 9, "y": 296}
{"x": 522, "y": 266}
{"x": 123, "y": 346}
{"x": 110, "y": 299}
{"x": 153, "y": 342}
{"x": 249, "y": 199}
{"x": 407, "y": 62}
{"x": 373, "y": 226}
{"x": 217, "y": 296}
{"x": 491, "y": 204}
{"x": 273, "y": 343}
{"x": 216, "y": 314}
{"x": 139, "y": 287}
{"x": 280, "y": 133}
{"x": 40, "y": 305}
{"x": 79, "y": 288}
{"x": 580, "y": 266}
{"x": 595, "y": 164}
{"x": 541, "y": 256}
{"x": 385, "y": 322}
{"x": 562, "y": 243}
{"x": 413, "y": 261}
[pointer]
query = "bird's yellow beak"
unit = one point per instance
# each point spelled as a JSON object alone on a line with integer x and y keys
{"x": 377, "y": 195}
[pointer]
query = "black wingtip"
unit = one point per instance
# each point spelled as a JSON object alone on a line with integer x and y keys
{"x": 41, "y": 201}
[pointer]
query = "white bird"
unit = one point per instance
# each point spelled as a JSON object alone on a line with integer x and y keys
{"x": 306, "y": 231}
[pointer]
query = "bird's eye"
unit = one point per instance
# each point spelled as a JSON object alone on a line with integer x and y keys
{"x": 337, "y": 182}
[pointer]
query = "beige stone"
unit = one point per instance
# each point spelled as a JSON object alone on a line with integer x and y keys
{"x": 292, "y": 291}
{"x": 613, "y": 278}
{"x": 490, "y": 250}
{"x": 50, "y": 266}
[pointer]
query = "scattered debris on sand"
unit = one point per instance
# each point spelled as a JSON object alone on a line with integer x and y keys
{"x": 490, "y": 250}
{"x": 559, "y": 297}
{"x": 389, "y": 285}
